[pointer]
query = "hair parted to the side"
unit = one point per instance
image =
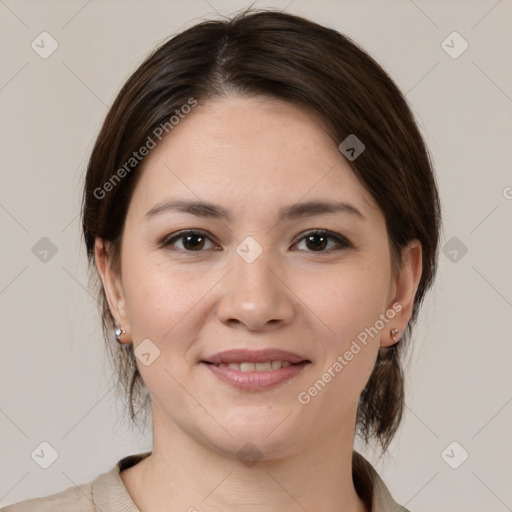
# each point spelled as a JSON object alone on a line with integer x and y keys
{"x": 291, "y": 58}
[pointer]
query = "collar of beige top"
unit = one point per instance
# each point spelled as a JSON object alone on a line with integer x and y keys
{"x": 110, "y": 493}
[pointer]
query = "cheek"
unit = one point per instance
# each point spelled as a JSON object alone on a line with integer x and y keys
{"x": 158, "y": 296}
{"x": 163, "y": 300}
{"x": 350, "y": 304}
{"x": 163, "y": 306}
{"x": 348, "y": 300}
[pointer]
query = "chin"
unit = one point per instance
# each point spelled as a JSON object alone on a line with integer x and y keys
{"x": 260, "y": 440}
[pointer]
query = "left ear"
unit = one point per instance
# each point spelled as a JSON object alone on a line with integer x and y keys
{"x": 406, "y": 285}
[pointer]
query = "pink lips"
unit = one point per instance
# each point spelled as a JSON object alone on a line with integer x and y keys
{"x": 254, "y": 356}
{"x": 255, "y": 380}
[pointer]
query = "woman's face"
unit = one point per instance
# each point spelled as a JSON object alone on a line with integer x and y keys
{"x": 254, "y": 279}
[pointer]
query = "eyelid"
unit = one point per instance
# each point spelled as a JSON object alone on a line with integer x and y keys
{"x": 337, "y": 236}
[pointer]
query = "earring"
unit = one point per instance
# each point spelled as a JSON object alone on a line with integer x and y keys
{"x": 394, "y": 335}
{"x": 118, "y": 331}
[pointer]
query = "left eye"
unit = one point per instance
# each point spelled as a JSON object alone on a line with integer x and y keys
{"x": 196, "y": 241}
{"x": 318, "y": 240}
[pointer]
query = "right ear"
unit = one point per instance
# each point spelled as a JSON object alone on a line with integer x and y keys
{"x": 112, "y": 283}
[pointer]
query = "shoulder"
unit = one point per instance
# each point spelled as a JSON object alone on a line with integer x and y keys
{"x": 106, "y": 492}
{"x": 74, "y": 499}
{"x": 371, "y": 488}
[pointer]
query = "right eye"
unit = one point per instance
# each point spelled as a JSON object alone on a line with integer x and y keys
{"x": 191, "y": 241}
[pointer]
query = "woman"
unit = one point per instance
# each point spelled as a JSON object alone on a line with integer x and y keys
{"x": 263, "y": 215}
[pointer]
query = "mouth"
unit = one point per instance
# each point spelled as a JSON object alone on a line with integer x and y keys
{"x": 245, "y": 360}
{"x": 255, "y": 370}
{"x": 249, "y": 366}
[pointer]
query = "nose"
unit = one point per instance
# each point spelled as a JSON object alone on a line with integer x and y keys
{"x": 256, "y": 296}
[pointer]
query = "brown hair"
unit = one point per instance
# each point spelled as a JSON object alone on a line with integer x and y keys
{"x": 293, "y": 59}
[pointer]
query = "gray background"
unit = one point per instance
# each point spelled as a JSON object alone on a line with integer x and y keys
{"x": 56, "y": 383}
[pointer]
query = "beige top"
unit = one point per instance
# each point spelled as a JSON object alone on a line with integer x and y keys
{"x": 107, "y": 493}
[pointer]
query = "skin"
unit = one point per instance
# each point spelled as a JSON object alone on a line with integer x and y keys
{"x": 252, "y": 156}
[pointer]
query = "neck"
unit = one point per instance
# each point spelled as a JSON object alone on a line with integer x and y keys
{"x": 184, "y": 473}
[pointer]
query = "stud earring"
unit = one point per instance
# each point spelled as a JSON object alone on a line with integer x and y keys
{"x": 394, "y": 335}
{"x": 118, "y": 331}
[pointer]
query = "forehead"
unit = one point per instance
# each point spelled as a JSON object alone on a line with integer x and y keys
{"x": 261, "y": 151}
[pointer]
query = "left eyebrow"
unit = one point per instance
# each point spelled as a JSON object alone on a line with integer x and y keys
{"x": 294, "y": 211}
{"x": 319, "y": 208}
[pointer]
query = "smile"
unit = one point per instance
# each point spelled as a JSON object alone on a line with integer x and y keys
{"x": 259, "y": 367}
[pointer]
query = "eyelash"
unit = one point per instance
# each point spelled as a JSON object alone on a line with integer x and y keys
{"x": 342, "y": 242}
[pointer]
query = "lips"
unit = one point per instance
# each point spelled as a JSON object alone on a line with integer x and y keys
{"x": 255, "y": 380}
{"x": 255, "y": 370}
{"x": 254, "y": 356}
